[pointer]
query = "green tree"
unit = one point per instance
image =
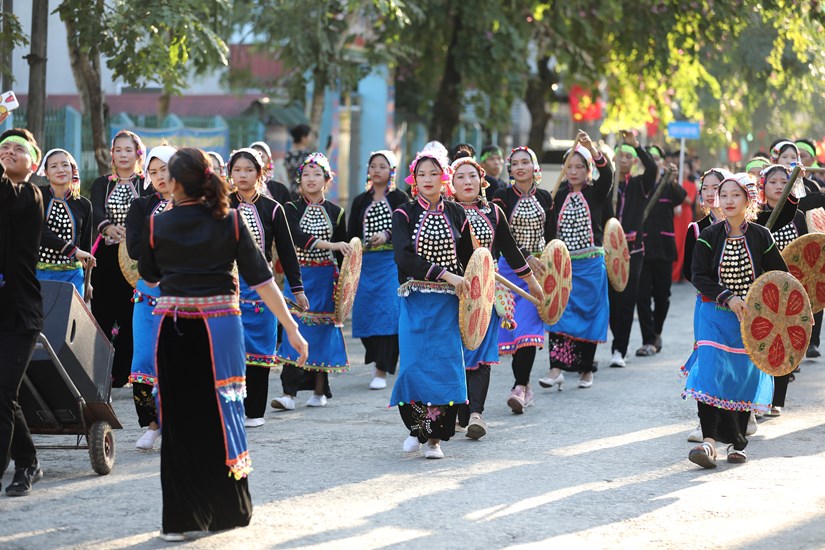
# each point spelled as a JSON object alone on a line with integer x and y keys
{"x": 162, "y": 42}
{"x": 325, "y": 42}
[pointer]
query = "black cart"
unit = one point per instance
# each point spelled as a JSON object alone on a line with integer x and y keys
{"x": 67, "y": 387}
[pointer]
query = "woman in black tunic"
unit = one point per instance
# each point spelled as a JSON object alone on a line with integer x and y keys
{"x": 190, "y": 251}
{"x": 112, "y": 195}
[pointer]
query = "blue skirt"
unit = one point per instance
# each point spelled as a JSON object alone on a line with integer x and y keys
{"x": 720, "y": 373}
{"x": 74, "y": 276}
{"x": 144, "y": 333}
{"x": 588, "y": 311}
{"x": 260, "y": 328}
{"x": 327, "y": 350}
{"x": 432, "y": 355}
{"x": 529, "y": 329}
{"x": 487, "y": 352}
{"x": 692, "y": 359}
{"x": 375, "y": 310}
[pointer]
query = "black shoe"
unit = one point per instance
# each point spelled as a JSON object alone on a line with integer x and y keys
{"x": 813, "y": 352}
{"x": 23, "y": 480}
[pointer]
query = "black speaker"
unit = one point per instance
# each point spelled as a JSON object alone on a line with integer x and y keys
{"x": 86, "y": 355}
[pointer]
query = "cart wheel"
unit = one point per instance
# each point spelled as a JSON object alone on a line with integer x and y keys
{"x": 102, "y": 447}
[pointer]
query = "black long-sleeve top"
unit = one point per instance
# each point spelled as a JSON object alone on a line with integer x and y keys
{"x": 313, "y": 222}
{"x": 111, "y": 200}
{"x": 659, "y": 236}
{"x": 493, "y": 185}
{"x": 633, "y": 196}
{"x": 278, "y": 191}
{"x": 267, "y": 220}
{"x": 429, "y": 240}
{"x": 760, "y": 255}
{"x": 67, "y": 227}
{"x": 368, "y": 217}
{"x": 785, "y": 230}
{"x": 579, "y": 216}
{"x": 491, "y": 230}
{"x": 190, "y": 253}
{"x": 693, "y": 232}
{"x": 530, "y": 216}
{"x": 21, "y": 225}
{"x": 139, "y": 211}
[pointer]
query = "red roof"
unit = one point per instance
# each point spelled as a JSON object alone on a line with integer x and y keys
{"x": 147, "y": 103}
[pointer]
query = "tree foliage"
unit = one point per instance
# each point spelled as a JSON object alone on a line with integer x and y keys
{"x": 12, "y": 36}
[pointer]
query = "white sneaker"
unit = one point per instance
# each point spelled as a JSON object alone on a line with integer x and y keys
{"x": 433, "y": 451}
{"x": 753, "y": 427}
{"x": 617, "y": 361}
{"x": 412, "y": 445}
{"x": 172, "y": 537}
{"x": 283, "y": 403}
{"x": 696, "y": 435}
{"x": 147, "y": 440}
{"x": 317, "y": 401}
{"x": 253, "y": 422}
{"x": 378, "y": 383}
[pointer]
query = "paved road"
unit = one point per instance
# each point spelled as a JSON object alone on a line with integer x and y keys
{"x": 604, "y": 467}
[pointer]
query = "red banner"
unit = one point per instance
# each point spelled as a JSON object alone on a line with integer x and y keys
{"x": 584, "y": 107}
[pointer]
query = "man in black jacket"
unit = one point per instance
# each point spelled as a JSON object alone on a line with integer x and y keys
{"x": 630, "y": 206}
{"x": 657, "y": 267}
{"x": 21, "y": 221}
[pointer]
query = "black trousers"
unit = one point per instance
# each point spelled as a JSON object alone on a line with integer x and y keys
{"x": 145, "y": 407}
{"x": 16, "y": 350}
{"x": 654, "y": 283}
{"x": 817, "y": 330}
{"x": 523, "y": 360}
{"x": 429, "y": 422}
{"x": 295, "y": 379}
{"x": 623, "y": 304}
{"x": 257, "y": 390}
{"x": 383, "y": 351}
{"x": 112, "y": 307}
{"x": 723, "y": 425}
{"x": 478, "y": 382}
{"x": 780, "y": 389}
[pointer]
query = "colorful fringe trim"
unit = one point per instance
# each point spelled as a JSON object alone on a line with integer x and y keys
{"x": 138, "y": 296}
{"x": 315, "y": 368}
{"x": 380, "y": 248}
{"x": 726, "y": 404}
{"x": 316, "y": 318}
{"x": 140, "y": 378}
{"x": 240, "y": 467}
{"x": 425, "y": 286}
{"x": 587, "y": 253}
{"x": 526, "y": 342}
{"x": 259, "y": 305}
{"x": 198, "y": 307}
{"x": 267, "y": 361}
{"x": 232, "y": 389}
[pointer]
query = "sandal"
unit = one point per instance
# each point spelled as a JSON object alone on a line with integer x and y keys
{"x": 704, "y": 455}
{"x": 647, "y": 350}
{"x": 735, "y": 456}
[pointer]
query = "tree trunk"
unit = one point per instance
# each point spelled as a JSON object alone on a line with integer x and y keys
{"x": 163, "y": 107}
{"x": 316, "y": 110}
{"x": 86, "y": 70}
{"x": 539, "y": 91}
{"x": 448, "y": 100}
{"x": 5, "y": 55}
{"x": 36, "y": 122}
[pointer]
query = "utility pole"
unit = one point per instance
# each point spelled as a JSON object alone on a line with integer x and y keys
{"x": 37, "y": 70}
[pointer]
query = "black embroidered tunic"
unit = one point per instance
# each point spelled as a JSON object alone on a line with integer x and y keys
{"x": 579, "y": 216}
{"x": 368, "y": 217}
{"x": 430, "y": 240}
{"x": 724, "y": 266}
{"x": 139, "y": 211}
{"x": 111, "y": 200}
{"x": 491, "y": 230}
{"x": 67, "y": 228}
{"x": 310, "y": 223}
{"x": 267, "y": 222}
{"x": 530, "y": 215}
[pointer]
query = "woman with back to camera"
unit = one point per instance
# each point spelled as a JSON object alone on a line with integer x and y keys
{"x": 190, "y": 251}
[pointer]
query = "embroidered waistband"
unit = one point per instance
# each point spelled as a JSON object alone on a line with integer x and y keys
{"x": 439, "y": 287}
{"x": 585, "y": 253}
{"x": 198, "y": 306}
{"x": 69, "y": 266}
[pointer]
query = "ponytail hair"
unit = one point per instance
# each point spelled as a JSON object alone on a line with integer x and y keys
{"x": 192, "y": 169}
